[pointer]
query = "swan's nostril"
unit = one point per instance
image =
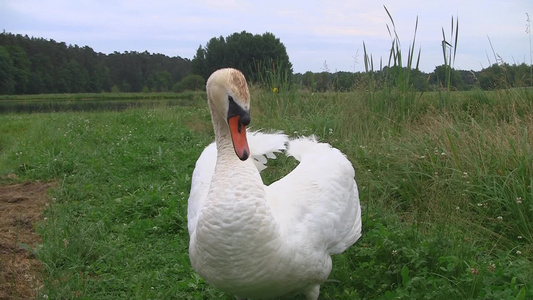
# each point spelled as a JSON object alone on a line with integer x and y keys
{"x": 245, "y": 119}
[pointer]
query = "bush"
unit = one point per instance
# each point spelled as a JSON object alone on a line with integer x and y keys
{"x": 190, "y": 83}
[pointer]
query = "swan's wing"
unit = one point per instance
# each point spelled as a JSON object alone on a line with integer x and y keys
{"x": 318, "y": 202}
{"x": 200, "y": 182}
{"x": 262, "y": 146}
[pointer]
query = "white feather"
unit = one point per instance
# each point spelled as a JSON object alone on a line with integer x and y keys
{"x": 262, "y": 146}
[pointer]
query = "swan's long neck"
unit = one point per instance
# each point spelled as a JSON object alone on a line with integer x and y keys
{"x": 236, "y": 224}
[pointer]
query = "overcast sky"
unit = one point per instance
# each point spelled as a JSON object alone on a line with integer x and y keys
{"x": 315, "y": 33}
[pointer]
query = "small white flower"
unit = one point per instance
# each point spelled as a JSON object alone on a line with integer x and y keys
{"x": 465, "y": 175}
{"x": 500, "y": 218}
{"x": 394, "y": 253}
{"x": 492, "y": 267}
{"x": 443, "y": 154}
{"x": 519, "y": 200}
{"x": 154, "y": 228}
{"x": 518, "y": 252}
{"x": 519, "y": 237}
{"x": 480, "y": 204}
{"x": 457, "y": 208}
{"x": 422, "y": 156}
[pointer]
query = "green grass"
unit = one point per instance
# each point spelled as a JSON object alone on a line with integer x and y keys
{"x": 446, "y": 193}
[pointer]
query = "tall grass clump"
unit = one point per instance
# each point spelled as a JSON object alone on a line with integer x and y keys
{"x": 393, "y": 90}
{"x": 528, "y": 31}
{"x": 276, "y": 80}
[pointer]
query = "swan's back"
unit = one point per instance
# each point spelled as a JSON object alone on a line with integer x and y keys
{"x": 318, "y": 202}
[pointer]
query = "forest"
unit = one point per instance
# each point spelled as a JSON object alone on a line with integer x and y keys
{"x": 35, "y": 65}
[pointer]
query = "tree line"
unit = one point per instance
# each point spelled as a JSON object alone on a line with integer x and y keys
{"x": 40, "y": 66}
{"x": 496, "y": 76}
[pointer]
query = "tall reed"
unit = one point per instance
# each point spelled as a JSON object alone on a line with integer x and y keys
{"x": 394, "y": 82}
{"x": 449, "y": 52}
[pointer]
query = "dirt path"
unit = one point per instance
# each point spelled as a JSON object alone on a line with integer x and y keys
{"x": 21, "y": 205}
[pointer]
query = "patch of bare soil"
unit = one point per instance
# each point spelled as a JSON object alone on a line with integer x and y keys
{"x": 21, "y": 205}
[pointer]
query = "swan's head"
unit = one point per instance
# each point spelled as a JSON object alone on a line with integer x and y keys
{"x": 228, "y": 96}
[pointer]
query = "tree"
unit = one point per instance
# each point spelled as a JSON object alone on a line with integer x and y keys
{"x": 254, "y": 55}
{"x": 308, "y": 80}
{"x": 41, "y": 75}
{"x": 343, "y": 81}
{"x": 198, "y": 64}
{"x": 101, "y": 79}
{"x": 439, "y": 77}
{"x": 7, "y": 83}
{"x": 160, "y": 81}
{"x": 190, "y": 83}
{"x": 492, "y": 78}
{"x": 21, "y": 68}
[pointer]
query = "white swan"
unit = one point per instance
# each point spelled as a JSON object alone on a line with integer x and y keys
{"x": 257, "y": 241}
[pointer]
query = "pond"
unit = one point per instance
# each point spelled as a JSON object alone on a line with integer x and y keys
{"x": 95, "y": 103}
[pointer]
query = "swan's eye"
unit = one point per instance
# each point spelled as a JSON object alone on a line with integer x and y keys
{"x": 230, "y": 99}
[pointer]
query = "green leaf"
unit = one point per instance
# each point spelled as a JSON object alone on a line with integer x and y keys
{"x": 405, "y": 276}
{"x": 522, "y": 294}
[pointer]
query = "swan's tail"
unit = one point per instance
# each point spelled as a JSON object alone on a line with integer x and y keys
{"x": 332, "y": 176}
{"x": 302, "y": 146}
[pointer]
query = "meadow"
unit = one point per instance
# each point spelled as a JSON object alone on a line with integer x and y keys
{"x": 445, "y": 181}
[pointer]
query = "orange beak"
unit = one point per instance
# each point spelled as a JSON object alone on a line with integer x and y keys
{"x": 238, "y": 137}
